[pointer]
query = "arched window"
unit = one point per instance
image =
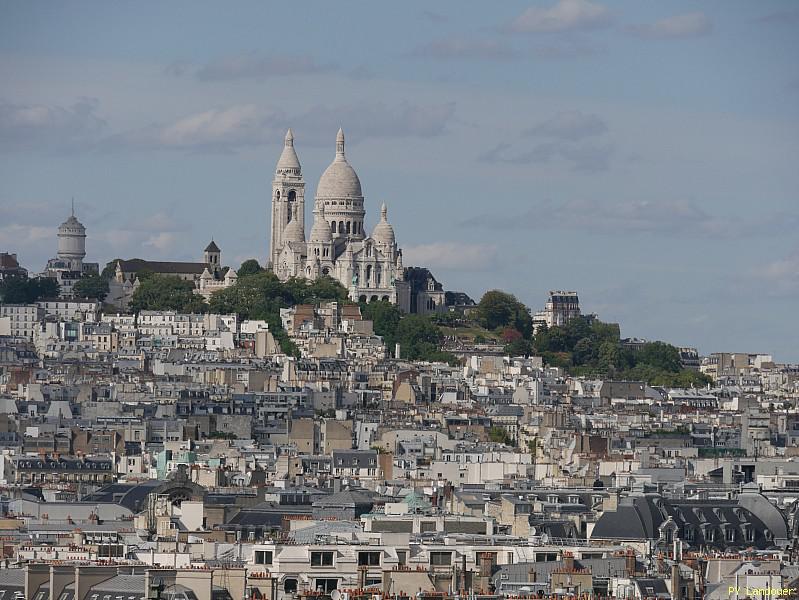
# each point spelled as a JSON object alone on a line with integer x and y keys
{"x": 277, "y": 195}
{"x": 373, "y": 299}
{"x": 379, "y": 275}
{"x": 368, "y": 274}
{"x": 292, "y": 195}
{"x": 362, "y": 299}
{"x": 333, "y": 226}
{"x": 385, "y": 298}
{"x": 341, "y": 226}
{"x": 349, "y": 225}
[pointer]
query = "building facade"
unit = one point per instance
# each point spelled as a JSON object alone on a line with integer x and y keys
{"x": 369, "y": 266}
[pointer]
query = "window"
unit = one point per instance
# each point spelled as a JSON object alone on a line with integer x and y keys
{"x": 290, "y": 585}
{"x": 402, "y": 556}
{"x": 322, "y": 559}
{"x": 326, "y": 584}
{"x": 263, "y": 557}
{"x": 438, "y": 559}
{"x": 368, "y": 559}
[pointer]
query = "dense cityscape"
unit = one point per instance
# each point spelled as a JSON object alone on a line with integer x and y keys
{"x": 334, "y": 423}
{"x": 381, "y": 302}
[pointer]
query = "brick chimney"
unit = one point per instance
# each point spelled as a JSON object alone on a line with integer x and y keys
{"x": 629, "y": 563}
{"x": 568, "y": 561}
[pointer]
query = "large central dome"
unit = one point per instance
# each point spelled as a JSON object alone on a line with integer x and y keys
{"x": 339, "y": 180}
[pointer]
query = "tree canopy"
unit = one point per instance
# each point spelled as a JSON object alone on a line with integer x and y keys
{"x": 249, "y": 267}
{"x": 21, "y": 290}
{"x": 499, "y": 310}
{"x": 163, "y": 292}
{"x": 261, "y": 295}
{"x": 91, "y": 286}
{"x": 419, "y": 336}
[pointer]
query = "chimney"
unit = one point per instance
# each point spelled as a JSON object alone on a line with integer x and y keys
{"x": 675, "y": 582}
{"x": 630, "y": 563}
{"x": 568, "y": 561}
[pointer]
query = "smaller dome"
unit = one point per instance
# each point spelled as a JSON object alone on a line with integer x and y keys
{"x": 321, "y": 233}
{"x": 383, "y": 232}
{"x": 293, "y": 231}
{"x": 71, "y": 224}
{"x": 231, "y": 274}
{"x": 288, "y": 159}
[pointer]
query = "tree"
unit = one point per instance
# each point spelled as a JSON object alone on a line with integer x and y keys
{"x": 110, "y": 269}
{"x": 500, "y": 309}
{"x": 160, "y": 292}
{"x": 249, "y": 267}
{"x": 91, "y": 286}
{"x": 21, "y": 290}
{"x": 661, "y": 356}
{"x": 385, "y": 318}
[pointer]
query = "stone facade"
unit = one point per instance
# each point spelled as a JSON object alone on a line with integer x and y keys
{"x": 369, "y": 266}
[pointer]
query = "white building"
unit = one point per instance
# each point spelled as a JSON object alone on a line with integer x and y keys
{"x": 68, "y": 266}
{"x": 369, "y": 266}
{"x": 23, "y": 319}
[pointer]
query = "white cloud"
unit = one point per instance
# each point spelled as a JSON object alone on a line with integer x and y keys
{"x": 33, "y": 126}
{"x": 465, "y": 48}
{"x": 239, "y": 126}
{"x": 677, "y": 218}
{"x": 255, "y": 66}
{"x": 162, "y": 241}
{"x": 569, "y": 125}
{"x": 564, "y": 15}
{"x": 452, "y": 255}
{"x": 782, "y": 275}
{"x": 679, "y": 26}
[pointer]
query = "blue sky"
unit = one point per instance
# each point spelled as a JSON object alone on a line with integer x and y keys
{"x": 642, "y": 153}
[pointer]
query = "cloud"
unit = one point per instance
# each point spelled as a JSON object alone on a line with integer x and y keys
{"x": 255, "y": 66}
{"x": 782, "y": 275}
{"x": 680, "y": 26}
{"x": 678, "y": 218}
{"x": 452, "y": 255}
{"x": 563, "y": 49}
{"x": 782, "y": 17}
{"x": 162, "y": 241}
{"x": 564, "y": 15}
{"x": 236, "y": 127}
{"x": 461, "y": 48}
{"x": 434, "y": 17}
{"x": 34, "y": 126}
{"x": 580, "y": 157}
{"x": 570, "y": 125}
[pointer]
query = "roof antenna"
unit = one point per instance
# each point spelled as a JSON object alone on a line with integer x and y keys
{"x": 73, "y": 206}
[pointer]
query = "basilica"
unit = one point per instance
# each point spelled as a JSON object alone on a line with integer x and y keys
{"x": 369, "y": 266}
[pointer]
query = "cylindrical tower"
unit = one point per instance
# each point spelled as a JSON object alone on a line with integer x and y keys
{"x": 72, "y": 242}
{"x": 339, "y": 191}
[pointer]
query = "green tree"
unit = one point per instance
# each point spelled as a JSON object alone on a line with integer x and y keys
{"x": 500, "y": 309}
{"x": 661, "y": 356}
{"x": 160, "y": 292}
{"x": 91, "y": 286}
{"x": 385, "y": 317}
{"x": 249, "y": 267}
{"x": 110, "y": 269}
{"x": 21, "y": 290}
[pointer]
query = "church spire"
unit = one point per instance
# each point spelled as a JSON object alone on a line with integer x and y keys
{"x": 340, "y": 145}
{"x": 289, "y": 141}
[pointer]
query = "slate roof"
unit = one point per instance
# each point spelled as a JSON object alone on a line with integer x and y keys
{"x": 137, "y": 264}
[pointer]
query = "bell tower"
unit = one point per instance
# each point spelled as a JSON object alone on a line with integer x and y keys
{"x": 288, "y": 195}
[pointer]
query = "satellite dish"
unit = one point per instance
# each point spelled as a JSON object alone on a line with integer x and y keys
{"x": 335, "y": 595}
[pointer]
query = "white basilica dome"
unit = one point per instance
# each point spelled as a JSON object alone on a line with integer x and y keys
{"x": 339, "y": 180}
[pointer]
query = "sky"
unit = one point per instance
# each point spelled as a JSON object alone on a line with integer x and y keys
{"x": 644, "y": 154}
